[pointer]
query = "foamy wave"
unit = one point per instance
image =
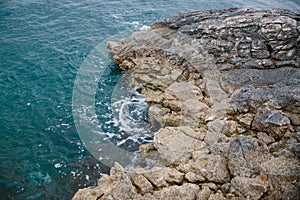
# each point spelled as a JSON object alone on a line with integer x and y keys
{"x": 138, "y": 25}
{"x": 130, "y": 116}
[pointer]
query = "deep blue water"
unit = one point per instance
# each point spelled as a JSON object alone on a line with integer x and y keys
{"x": 42, "y": 47}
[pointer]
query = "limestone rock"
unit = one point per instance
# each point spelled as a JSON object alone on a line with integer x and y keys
{"x": 217, "y": 196}
{"x": 246, "y": 155}
{"x": 250, "y": 188}
{"x": 142, "y": 184}
{"x": 192, "y": 177}
{"x": 171, "y": 143}
{"x": 115, "y": 186}
{"x": 204, "y": 193}
{"x": 281, "y": 171}
{"x": 223, "y": 89}
{"x": 162, "y": 177}
{"x": 212, "y": 167}
{"x": 275, "y": 123}
{"x": 187, "y": 191}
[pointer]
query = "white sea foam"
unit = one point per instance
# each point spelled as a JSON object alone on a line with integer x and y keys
{"x": 144, "y": 28}
{"x": 58, "y": 165}
{"x": 130, "y": 116}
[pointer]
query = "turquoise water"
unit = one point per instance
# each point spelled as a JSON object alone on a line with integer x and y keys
{"x": 42, "y": 47}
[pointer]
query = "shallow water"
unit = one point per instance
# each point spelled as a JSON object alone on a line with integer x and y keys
{"x": 43, "y": 46}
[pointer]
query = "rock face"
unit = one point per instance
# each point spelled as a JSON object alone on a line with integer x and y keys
{"x": 223, "y": 89}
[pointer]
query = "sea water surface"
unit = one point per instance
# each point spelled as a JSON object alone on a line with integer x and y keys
{"x": 43, "y": 44}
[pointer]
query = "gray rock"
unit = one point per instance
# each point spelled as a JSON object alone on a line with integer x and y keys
{"x": 281, "y": 171}
{"x": 187, "y": 191}
{"x": 273, "y": 122}
{"x": 204, "y": 193}
{"x": 293, "y": 119}
{"x": 296, "y": 149}
{"x": 297, "y": 136}
{"x": 291, "y": 192}
{"x": 250, "y": 188}
{"x": 264, "y": 137}
{"x": 212, "y": 167}
{"x": 192, "y": 177}
{"x": 217, "y": 196}
{"x": 246, "y": 155}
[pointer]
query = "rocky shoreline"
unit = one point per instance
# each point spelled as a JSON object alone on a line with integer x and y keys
{"x": 223, "y": 89}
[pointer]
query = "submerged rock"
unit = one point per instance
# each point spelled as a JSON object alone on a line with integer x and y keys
{"x": 223, "y": 90}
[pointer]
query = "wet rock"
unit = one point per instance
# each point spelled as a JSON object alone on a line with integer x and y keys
{"x": 246, "y": 155}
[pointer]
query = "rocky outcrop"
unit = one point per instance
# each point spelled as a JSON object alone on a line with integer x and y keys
{"x": 223, "y": 89}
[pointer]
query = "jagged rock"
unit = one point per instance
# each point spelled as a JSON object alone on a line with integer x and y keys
{"x": 297, "y": 136}
{"x": 264, "y": 137}
{"x": 141, "y": 183}
{"x": 250, "y": 188}
{"x": 212, "y": 167}
{"x": 275, "y": 123}
{"x": 246, "y": 155}
{"x": 296, "y": 149}
{"x": 115, "y": 186}
{"x": 204, "y": 193}
{"x": 211, "y": 186}
{"x": 281, "y": 171}
{"x": 157, "y": 115}
{"x": 192, "y": 177}
{"x": 221, "y": 85}
{"x": 146, "y": 148}
{"x": 187, "y": 191}
{"x": 293, "y": 119}
{"x": 172, "y": 142}
{"x": 250, "y": 98}
{"x": 217, "y": 196}
{"x": 291, "y": 192}
{"x": 163, "y": 176}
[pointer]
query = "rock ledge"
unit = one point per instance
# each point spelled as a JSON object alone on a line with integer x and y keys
{"x": 223, "y": 89}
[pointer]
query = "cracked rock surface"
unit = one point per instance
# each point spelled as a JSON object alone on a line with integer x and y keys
{"x": 223, "y": 90}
